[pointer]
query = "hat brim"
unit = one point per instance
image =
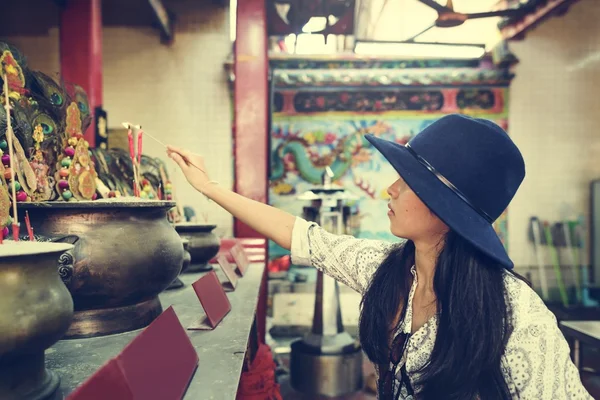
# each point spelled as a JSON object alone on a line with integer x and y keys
{"x": 443, "y": 202}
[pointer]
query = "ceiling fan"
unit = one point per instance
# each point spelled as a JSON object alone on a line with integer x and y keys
{"x": 292, "y": 16}
{"x": 448, "y": 18}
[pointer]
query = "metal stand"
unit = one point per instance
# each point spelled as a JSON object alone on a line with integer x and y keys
{"x": 327, "y": 361}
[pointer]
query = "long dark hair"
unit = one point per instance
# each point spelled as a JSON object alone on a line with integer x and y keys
{"x": 473, "y": 320}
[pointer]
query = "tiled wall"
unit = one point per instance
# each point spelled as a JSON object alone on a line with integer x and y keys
{"x": 555, "y": 120}
{"x": 178, "y": 93}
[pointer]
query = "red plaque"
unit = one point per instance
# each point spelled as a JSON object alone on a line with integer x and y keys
{"x": 240, "y": 258}
{"x": 108, "y": 382}
{"x": 231, "y": 282}
{"x": 214, "y": 301}
{"x": 156, "y": 365}
{"x": 161, "y": 360}
{"x": 225, "y": 249}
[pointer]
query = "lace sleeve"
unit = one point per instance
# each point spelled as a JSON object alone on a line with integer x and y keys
{"x": 537, "y": 362}
{"x": 347, "y": 259}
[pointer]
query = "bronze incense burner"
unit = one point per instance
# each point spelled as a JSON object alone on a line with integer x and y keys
{"x": 35, "y": 311}
{"x": 187, "y": 258}
{"x": 125, "y": 254}
{"x": 204, "y": 244}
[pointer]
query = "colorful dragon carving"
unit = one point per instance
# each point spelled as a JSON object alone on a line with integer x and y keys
{"x": 311, "y": 168}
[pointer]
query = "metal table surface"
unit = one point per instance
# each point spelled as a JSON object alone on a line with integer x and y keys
{"x": 221, "y": 351}
{"x": 587, "y": 332}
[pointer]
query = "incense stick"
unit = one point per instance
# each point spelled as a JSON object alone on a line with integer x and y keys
{"x": 126, "y": 124}
{"x": 155, "y": 139}
{"x": 9, "y": 139}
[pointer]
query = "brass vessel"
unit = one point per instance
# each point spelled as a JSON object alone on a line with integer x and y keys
{"x": 35, "y": 311}
{"x": 125, "y": 254}
{"x": 204, "y": 244}
{"x": 187, "y": 258}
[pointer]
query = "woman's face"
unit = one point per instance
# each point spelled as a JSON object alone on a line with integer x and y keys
{"x": 409, "y": 217}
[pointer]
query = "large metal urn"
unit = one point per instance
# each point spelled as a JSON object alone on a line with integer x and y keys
{"x": 187, "y": 259}
{"x": 35, "y": 311}
{"x": 204, "y": 244}
{"x": 125, "y": 254}
{"x": 327, "y": 361}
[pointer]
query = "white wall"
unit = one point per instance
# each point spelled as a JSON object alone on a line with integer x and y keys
{"x": 554, "y": 118}
{"x": 178, "y": 93}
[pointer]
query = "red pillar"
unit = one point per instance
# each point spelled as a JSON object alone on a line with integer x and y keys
{"x": 251, "y": 106}
{"x": 450, "y": 105}
{"x": 81, "y": 51}
{"x": 250, "y": 132}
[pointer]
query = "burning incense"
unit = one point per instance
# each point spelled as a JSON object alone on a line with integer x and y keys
{"x": 9, "y": 139}
{"x": 165, "y": 146}
{"x": 155, "y": 139}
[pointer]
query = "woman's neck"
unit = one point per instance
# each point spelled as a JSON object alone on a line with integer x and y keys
{"x": 426, "y": 254}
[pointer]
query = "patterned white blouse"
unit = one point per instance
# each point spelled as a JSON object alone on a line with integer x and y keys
{"x": 536, "y": 364}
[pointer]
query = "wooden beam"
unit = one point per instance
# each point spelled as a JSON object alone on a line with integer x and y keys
{"x": 516, "y": 30}
{"x": 164, "y": 20}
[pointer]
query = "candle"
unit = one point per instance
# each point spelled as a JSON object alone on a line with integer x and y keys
{"x": 15, "y": 231}
{"x": 139, "y": 146}
{"x": 132, "y": 156}
{"x": 131, "y": 149}
{"x": 29, "y": 228}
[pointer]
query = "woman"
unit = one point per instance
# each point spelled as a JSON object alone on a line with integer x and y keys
{"x": 442, "y": 316}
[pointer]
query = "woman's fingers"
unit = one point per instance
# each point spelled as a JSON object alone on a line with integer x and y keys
{"x": 179, "y": 160}
{"x": 182, "y": 152}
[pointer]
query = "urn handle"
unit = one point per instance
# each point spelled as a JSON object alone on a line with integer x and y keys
{"x": 66, "y": 261}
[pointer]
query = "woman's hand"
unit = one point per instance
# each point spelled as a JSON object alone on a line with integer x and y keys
{"x": 192, "y": 166}
{"x": 271, "y": 222}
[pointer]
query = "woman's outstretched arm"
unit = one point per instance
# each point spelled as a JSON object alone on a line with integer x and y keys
{"x": 269, "y": 221}
{"x": 348, "y": 260}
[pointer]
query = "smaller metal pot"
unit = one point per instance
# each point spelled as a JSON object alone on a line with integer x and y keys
{"x": 187, "y": 258}
{"x": 36, "y": 310}
{"x": 203, "y": 246}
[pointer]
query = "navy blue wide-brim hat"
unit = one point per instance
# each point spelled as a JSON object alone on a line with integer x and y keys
{"x": 466, "y": 171}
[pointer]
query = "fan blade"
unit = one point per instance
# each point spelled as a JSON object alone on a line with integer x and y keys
{"x": 513, "y": 12}
{"x": 436, "y": 6}
{"x": 412, "y": 38}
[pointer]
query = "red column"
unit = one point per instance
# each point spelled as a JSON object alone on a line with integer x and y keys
{"x": 450, "y": 105}
{"x": 250, "y": 133}
{"x": 81, "y": 51}
{"x": 251, "y": 106}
